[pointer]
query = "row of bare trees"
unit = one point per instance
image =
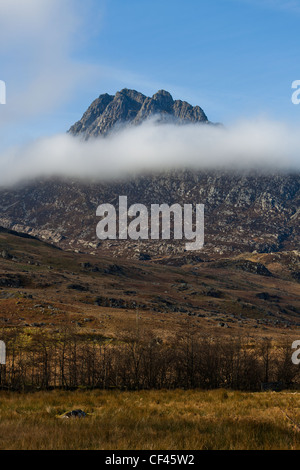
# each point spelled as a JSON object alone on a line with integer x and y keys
{"x": 142, "y": 361}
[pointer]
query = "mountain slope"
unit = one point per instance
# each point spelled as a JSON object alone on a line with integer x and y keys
{"x": 243, "y": 212}
{"x": 42, "y": 287}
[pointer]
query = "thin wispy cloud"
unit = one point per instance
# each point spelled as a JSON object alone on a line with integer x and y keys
{"x": 37, "y": 40}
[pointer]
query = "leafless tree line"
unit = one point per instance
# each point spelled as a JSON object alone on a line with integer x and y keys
{"x": 142, "y": 361}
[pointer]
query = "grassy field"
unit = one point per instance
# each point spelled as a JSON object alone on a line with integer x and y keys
{"x": 154, "y": 420}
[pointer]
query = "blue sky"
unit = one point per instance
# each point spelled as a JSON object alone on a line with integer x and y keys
{"x": 235, "y": 58}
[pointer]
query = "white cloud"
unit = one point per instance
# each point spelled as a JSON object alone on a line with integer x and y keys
{"x": 37, "y": 38}
{"x": 256, "y": 144}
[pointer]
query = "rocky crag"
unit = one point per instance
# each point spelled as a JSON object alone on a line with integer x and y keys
{"x": 129, "y": 107}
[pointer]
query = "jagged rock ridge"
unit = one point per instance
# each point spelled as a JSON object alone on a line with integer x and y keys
{"x": 132, "y": 107}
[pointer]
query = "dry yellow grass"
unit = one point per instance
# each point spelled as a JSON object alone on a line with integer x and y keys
{"x": 154, "y": 420}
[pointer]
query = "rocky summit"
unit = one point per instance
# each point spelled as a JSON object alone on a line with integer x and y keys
{"x": 129, "y": 107}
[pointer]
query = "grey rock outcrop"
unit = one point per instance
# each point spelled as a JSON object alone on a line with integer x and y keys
{"x": 129, "y": 107}
{"x": 243, "y": 212}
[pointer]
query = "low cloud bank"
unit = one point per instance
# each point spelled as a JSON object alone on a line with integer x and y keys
{"x": 258, "y": 145}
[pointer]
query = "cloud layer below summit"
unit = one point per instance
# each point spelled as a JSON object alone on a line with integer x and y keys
{"x": 257, "y": 145}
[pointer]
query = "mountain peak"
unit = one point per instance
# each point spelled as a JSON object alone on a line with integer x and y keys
{"x": 132, "y": 107}
{"x": 163, "y": 94}
{"x": 164, "y": 98}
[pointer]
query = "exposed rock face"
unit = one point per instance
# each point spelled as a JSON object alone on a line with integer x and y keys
{"x": 243, "y": 212}
{"x": 132, "y": 107}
